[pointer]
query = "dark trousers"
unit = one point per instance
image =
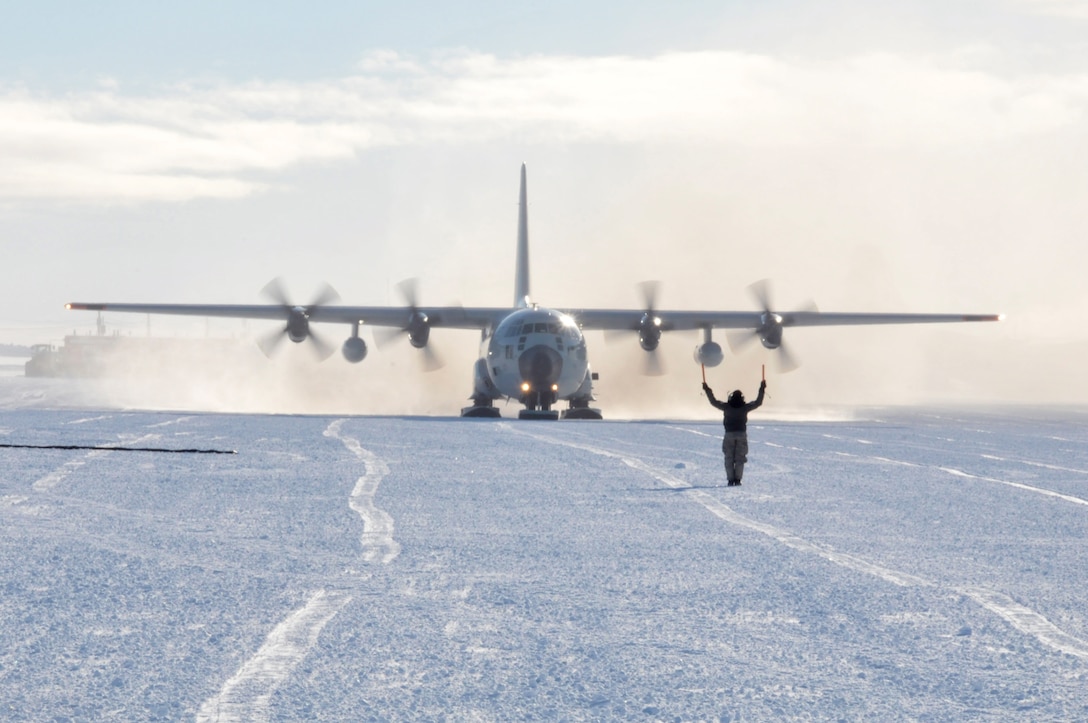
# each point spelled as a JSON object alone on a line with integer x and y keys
{"x": 735, "y": 449}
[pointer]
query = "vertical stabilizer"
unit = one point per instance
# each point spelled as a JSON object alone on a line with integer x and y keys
{"x": 521, "y": 277}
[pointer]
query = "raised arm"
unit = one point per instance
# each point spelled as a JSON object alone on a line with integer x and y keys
{"x": 710, "y": 395}
{"x": 759, "y": 397}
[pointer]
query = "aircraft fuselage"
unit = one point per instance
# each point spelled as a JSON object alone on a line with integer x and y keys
{"x": 537, "y": 356}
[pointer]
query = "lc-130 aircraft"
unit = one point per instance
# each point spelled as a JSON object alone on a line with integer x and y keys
{"x": 530, "y": 353}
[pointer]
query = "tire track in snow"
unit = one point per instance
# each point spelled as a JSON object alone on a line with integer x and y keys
{"x": 55, "y": 477}
{"x": 981, "y": 478}
{"x": 377, "y": 538}
{"x": 170, "y": 422}
{"x": 1029, "y": 463}
{"x": 58, "y": 475}
{"x": 85, "y": 420}
{"x": 724, "y": 512}
{"x": 967, "y": 475}
{"x": 1027, "y": 621}
{"x": 1019, "y": 485}
{"x": 245, "y": 697}
{"x": 1019, "y": 616}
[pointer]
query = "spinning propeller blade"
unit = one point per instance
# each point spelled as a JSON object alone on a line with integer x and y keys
{"x": 416, "y": 327}
{"x": 297, "y": 326}
{"x": 770, "y": 331}
{"x": 648, "y": 329}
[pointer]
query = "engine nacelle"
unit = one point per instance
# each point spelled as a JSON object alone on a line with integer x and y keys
{"x": 354, "y": 349}
{"x": 419, "y": 329}
{"x": 709, "y": 354}
{"x": 298, "y": 325}
{"x": 649, "y": 332}
{"x": 770, "y": 334}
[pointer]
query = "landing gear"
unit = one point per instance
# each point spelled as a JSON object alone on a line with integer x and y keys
{"x": 538, "y": 405}
{"x": 582, "y": 413}
{"x": 549, "y": 414}
{"x": 482, "y": 408}
{"x": 481, "y": 412}
{"x": 580, "y": 409}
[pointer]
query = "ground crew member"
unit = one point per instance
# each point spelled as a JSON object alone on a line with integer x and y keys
{"x": 735, "y": 419}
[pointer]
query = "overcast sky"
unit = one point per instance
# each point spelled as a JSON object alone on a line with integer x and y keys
{"x": 922, "y": 156}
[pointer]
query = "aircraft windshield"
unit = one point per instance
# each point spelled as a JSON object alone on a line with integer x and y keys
{"x": 562, "y": 326}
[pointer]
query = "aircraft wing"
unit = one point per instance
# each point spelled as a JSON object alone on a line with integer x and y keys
{"x": 818, "y": 318}
{"x": 460, "y": 317}
{"x": 454, "y": 317}
{"x": 449, "y": 317}
{"x": 630, "y": 319}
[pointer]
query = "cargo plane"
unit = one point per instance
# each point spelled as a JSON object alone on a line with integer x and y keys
{"x": 534, "y": 354}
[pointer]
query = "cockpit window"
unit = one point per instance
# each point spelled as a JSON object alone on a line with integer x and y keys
{"x": 562, "y": 326}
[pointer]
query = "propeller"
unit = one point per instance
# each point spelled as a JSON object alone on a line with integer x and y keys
{"x": 297, "y": 328}
{"x": 649, "y": 330}
{"x": 417, "y": 327}
{"x": 769, "y": 332}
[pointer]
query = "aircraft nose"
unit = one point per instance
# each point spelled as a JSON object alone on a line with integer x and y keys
{"x": 541, "y": 366}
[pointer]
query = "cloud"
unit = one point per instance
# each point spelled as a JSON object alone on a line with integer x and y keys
{"x": 226, "y": 141}
{"x": 1072, "y": 9}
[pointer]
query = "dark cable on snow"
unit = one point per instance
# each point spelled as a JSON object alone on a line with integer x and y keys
{"x": 119, "y": 449}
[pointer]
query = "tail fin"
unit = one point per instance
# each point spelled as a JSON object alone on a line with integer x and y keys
{"x": 521, "y": 276}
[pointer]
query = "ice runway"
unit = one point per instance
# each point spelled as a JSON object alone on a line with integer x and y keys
{"x": 905, "y": 566}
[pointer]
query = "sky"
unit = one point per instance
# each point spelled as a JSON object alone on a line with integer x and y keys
{"x": 922, "y": 156}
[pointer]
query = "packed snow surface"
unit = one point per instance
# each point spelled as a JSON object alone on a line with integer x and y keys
{"x": 902, "y": 565}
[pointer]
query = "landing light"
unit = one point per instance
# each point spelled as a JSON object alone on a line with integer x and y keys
{"x": 555, "y": 387}
{"x": 525, "y": 386}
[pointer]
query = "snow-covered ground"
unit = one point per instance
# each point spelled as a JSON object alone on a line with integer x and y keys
{"x": 903, "y": 565}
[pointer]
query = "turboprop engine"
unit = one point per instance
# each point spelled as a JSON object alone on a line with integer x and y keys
{"x": 649, "y": 331}
{"x": 419, "y": 329}
{"x": 770, "y": 333}
{"x": 298, "y": 325}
